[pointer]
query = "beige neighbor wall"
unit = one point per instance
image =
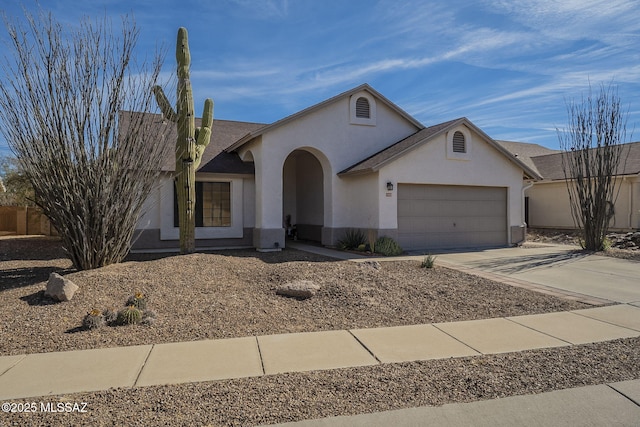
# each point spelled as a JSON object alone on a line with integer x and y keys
{"x": 549, "y": 205}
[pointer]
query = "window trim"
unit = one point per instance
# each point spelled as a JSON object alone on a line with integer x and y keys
{"x": 238, "y": 216}
{"x": 199, "y": 207}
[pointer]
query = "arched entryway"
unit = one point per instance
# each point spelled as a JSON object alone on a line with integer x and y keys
{"x": 303, "y": 196}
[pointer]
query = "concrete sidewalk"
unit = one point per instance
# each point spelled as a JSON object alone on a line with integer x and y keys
{"x": 616, "y": 404}
{"x": 45, "y": 374}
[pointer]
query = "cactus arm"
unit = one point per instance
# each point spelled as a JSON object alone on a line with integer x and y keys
{"x": 203, "y": 134}
{"x": 183, "y": 55}
{"x": 164, "y": 104}
{"x": 207, "y": 113}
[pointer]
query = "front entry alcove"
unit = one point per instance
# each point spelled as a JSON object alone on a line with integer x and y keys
{"x": 303, "y": 196}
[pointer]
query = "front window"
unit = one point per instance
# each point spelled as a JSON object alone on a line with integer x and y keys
{"x": 216, "y": 204}
{"x": 213, "y": 204}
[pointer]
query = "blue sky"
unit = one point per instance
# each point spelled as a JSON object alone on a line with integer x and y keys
{"x": 509, "y": 66}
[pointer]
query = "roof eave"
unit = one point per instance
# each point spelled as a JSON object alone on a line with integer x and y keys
{"x": 248, "y": 137}
{"x": 288, "y": 119}
{"x": 529, "y": 173}
{"x": 399, "y": 154}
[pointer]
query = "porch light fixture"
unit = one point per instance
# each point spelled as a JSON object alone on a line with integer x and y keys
{"x": 390, "y": 186}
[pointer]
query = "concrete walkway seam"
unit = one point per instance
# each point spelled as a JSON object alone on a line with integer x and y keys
{"x": 435, "y": 325}
{"x": 568, "y": 343}
{"x": 578, "y": 312}
{"x": 364, "y": 346}
{"x": 624, "y": 395}
{"x": 260, "y": 355}
{"x": 135, "y": 383}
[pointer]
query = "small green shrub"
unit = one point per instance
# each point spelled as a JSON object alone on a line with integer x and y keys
{"x": 138, "y": 300}
{"x": 352, "y": 239}
{"x": 362, "y": 247}
{"x": 110, "y": 316}
{"x": 93, "y": 320}
{"x": 129, "y": 315}
{"x": 387, "y": 246}
{"x": 429, "y": 261}
{"x": 149, "y": 317}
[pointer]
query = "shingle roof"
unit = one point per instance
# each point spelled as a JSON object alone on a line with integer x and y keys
{"x": 550, "y": 165}
{"x": 524, "y": 152}
{"x": 214, "y": 158}
{"x": 400, "y": 148}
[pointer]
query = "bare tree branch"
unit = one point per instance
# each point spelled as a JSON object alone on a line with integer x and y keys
{"x": 593, "y": 153}
{"x": 68, "y": 102}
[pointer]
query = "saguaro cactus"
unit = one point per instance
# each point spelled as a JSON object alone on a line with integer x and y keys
{"x": 190, "y": 143}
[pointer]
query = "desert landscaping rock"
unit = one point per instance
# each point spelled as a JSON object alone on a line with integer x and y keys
{"x": 623, "y": 245}
{"x": 629, "y": 240}
{"x": 301, "y": 289}
{"x": 60, "y": 288}
{"x": 372, "y": 264}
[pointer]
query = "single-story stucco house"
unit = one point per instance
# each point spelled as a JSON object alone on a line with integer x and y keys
{"x": 547, "y": 200}
{"x": 356, "y": 160}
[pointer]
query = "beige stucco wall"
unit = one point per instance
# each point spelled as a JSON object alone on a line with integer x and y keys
{"x": 431, "y": 163}
{"x": 549, "y": 205}
{"x": 330, "y": 136}
{"x": 150, "y": 217}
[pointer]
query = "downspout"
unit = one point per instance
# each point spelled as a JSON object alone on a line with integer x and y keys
{"x": 624, "y": 179}
{"x": 631, "y": 183}
{"x": 523, "y": 224}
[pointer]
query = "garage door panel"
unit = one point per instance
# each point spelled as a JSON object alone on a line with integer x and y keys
{"x": 449, "y": 192}
{"x": 438, "y": 216}
{"x": 451, "y": 208}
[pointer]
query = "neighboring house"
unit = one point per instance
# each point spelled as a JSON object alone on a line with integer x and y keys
{"x": 548, "y": 201}
{"x": 353, "y": 161}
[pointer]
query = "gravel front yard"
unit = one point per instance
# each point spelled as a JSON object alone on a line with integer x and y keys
{"x": 230, "y": 294}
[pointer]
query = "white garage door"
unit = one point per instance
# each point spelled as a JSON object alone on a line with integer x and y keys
{"x": 447, "y": 216}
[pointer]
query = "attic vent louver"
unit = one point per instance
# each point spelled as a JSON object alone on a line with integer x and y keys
{"x": 459, "y": 143}
{"x": 362, "y": 108}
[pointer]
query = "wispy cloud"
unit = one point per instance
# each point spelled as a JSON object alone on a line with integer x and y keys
{"x": 264, "y": 9}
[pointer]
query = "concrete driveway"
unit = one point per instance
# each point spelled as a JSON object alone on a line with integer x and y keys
{"x": 562, "y": 267}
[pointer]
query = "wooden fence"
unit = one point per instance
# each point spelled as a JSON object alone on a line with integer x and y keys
{"x": 22, "y": 220}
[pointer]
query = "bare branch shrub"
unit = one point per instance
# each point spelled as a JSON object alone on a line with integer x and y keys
{"x": 593, "y": 153}
{"x": 68, "y": 98}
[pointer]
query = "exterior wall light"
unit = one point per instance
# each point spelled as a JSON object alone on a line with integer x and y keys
{"x": 390, "y": 186}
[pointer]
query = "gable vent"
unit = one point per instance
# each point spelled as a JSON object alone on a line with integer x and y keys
{"x": 362, "y": 108}
{"x": 459, "y": 144}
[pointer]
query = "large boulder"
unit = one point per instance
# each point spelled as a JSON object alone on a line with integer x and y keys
{"x": 301, "y": 289}
{"x": 60, "y": 288}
